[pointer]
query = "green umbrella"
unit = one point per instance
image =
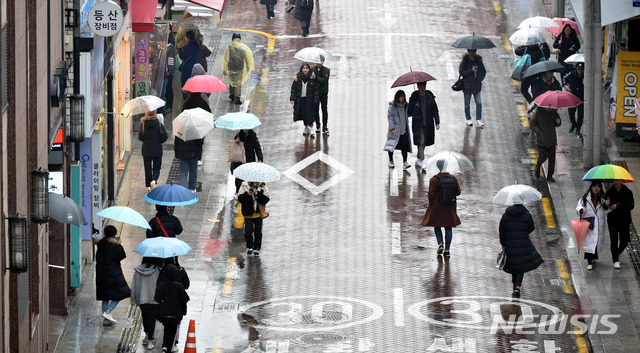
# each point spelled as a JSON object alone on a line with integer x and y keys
{"x": 124, "y": 214}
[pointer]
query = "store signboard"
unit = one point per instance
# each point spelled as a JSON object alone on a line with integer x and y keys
{"x": 105, "y": 18}
{"x": 627, "y": 91}
{"x": 142, "y": 64}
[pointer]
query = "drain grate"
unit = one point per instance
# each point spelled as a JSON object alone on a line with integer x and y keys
{"x": 319, "y": 339}
{"x": 327, "y": 317}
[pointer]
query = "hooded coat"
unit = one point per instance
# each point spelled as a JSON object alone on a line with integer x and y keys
{"x": 515, "y": 225}
{"x": 438, "y": 215}
{"x": 172, "y": 297}
{"x": 472, "y": 80}
{"x": 153, "y": 135}
{"x": 143, "y": 285}
{"x": 237, "y": 63}
{"x": 567, "y": 43}
{"x": 423, "y": 127}
{"x": 544, "y": 124}
{"x": 596, "y": 236}
{"x": 394, "y": 124}
{"x": 308, "y": 109}
{"x": 110, "y": 281}
{"x": 540, "y": 86}
{"x": 189, "y": 55}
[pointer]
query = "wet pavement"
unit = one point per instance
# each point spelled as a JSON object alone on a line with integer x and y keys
{"x": 345, "y": 265}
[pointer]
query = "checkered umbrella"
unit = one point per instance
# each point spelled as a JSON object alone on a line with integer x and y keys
{"x": 258, "y": 172}
{"x": 412, "y": 77}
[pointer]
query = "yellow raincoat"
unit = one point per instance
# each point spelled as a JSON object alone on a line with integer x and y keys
{"x": 237, "y": 63}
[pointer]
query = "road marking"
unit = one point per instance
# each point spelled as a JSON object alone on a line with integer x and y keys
{"x": 524, "y": 119}
{"x": 230, "y": 275}
{"x": 217, "y": 345}
{"x": 393, "y": 183}
{"x": 239, "y": 217}
{"x": 548, "y": 213}
{"x": 505, "y": 41}
{"x": 293, "y": 172}
{"x": 496, "y": 6}
{"x": 582, "y": 344}
{"x": 564, "y": 274}
{"x": 451, "y": 73}
{"x": 271, "y": 39}
{"x": 398, "y": 307}
{"x": 396, "y": 247}
{"x": 264, "y": 78}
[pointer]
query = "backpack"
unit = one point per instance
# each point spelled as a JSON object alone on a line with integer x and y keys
{"x": 447, "y": 190}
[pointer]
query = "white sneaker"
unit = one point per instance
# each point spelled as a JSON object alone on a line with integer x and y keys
{"x": 391, "y": 164}
{"x": 616, "y": 264}
{"x": 589, "y": 267}
{"x": 406, "y": 165}
{"x": 145, "y": 341}
{"x": 150, "y": 345}
{"x": 107, "y": 315}
{"x": 153, "y": 184}
{"x": 419, "y": 163}
{"x": 200, "y": 163}
{"x": 306, "y": 131}
{"x": 193, "y": 191}
{"x": 175, "y": 348}
{"x": 149, "y": 189}
{"x": 469, "y": 123}
{"x": 480, "y": 123}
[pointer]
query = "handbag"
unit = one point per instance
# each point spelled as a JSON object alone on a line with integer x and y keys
{"x": 263, "y": 211}
{"x": 591, "y": 220}
{"x": 520, "y": 65}
{"x": 459, "y": 85}
{"x": 501, "y": 261}
{"x": 182, "y": 63}
{"x": 236, "y": 152}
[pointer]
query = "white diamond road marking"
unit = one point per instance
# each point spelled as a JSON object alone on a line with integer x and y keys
{"x": 293, "y": 172}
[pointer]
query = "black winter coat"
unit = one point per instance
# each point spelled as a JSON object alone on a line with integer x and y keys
{"x": 423, "y": 129}
{"x": 248, "y": 206}
{"x": 170, "y": 223}
{"x": 472, "y": 80}
{"x": 624, "y": 204}
{"x": 252, "y": 146}
{"x": 153, "y": 135}
{"x": 540, "y": 86}
{"x": 567, "y": 43}
{"x": 322, "y": 76}
{"x": 535, "y": 51}
{"x": 304, "y": 9}
{"x": 515, "y": 226}
{"x": 188, "y": 149}
{"x": 172, "y": 297}
{"x": 110, "y": 281}
{"x": 311, "y": 108}
{"x": 575, "y": 83}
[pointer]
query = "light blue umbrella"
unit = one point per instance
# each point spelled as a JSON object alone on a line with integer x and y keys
{"x": 171, "y": 195}
{"x": 237, "y": 121}
{"x": 258, "y": 172}
{"x": 124, "y": 214}
{"x": 162, "y": 247}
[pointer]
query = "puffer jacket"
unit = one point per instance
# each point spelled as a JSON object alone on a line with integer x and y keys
{"x": 515, "y": 226}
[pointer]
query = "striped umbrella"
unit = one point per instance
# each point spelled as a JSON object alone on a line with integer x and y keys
{"x": 608, "y": 172}
{"x": 258, "y": 172}
{"x": 124, "y": 214}
{"x": 412, "y": 77}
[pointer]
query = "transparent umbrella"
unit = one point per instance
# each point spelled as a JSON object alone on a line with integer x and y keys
{"x": 530, "y": 36}
{"x": 455, "y": 163}
{"x": 311, "y": 55}
{"x": 517, "y": 194}
{"x": 141, "y": 105}
{"x": 539, "y": 22}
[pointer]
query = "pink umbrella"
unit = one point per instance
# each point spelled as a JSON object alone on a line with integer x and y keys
{"x": 557, "y": 100}
{"x": 555, "y": 31}
{"x": 412, "y": 77}
{"x": 204, "y": 84}
{"x": 580, "y": 227}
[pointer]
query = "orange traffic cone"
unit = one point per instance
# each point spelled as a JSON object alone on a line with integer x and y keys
{"x": 190, "y": 345}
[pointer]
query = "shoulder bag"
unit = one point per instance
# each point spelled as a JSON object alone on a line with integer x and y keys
{"x": 501, "y": 260}
{"x": 459, "y": 85}
{"x": 236, "y": 152}
{"x": 263, "y": 211}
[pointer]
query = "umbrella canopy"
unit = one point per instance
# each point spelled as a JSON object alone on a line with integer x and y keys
{"x": 204, "y": 84}
{"x": 64, "y": 210}
{"x": 608, "y": 172}
{"x": 455, "y": 163}
{"x": 171, "y": 195}
{"x": 555, "y": 31}
{"x": 192, "y": 124}
{"x": 473, "y": 42}
{"x": 311, "y": 54}
{"x": 575, "y": 58}
{"x": 557, "y": 100}
{"x": 141, "y": 105}
{"x": 539, "y": 22}
{"x": 412, "y": 77}
{"x": 542, "y": 66}
{"x": 580, "y": 227}
{"x": 126, "y": 215}
{"x": 530, "y": 36}
{"x": 258, "y": 172}
{"x": 237, "y": 121}
{"x": 517, "y": 194}
{"x": 162, "y": 247}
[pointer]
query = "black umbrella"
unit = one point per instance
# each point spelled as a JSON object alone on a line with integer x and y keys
{"x": 473, "y": 42}
{"x": 542, "y": 66}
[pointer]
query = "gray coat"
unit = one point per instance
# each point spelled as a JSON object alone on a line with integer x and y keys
{"x": 143, "y": 286}
{"x": 394, "y": 124}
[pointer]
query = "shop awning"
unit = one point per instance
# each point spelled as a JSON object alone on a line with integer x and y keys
{"x": 612, "y": 11}
{"x": 217, "y": 5}
{"x": 143, "y": 14}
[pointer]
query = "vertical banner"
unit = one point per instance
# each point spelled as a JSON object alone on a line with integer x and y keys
{"x": 627, "y": 92}
{"x": 85, "y": 192}
{"x": 96, "y": 180}
{"x": 142, "y": 64}
{"x": 76, "y": 236}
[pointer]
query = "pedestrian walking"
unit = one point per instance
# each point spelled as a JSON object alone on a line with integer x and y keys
{"x": 545, "y": 82}
{"x": 252, "y": 151}
{"x": 270, "y": 4}
{"x": 620, "y": 201}
{"x": 167, "y": 83}
{"x": 441, "y": 210}
{"x": 172, "y": 298}
{"x": 574, "y": 83}
{"x": 544, "y": 122}
{"x": 189, "y": 52}
{"x": 198, "y": 70}
{"x": 304, "y": 10}
{"x": 321, "y": 74}
{"x": 111, "y": 286}
{"x": 143, "y": 289}
{"x": 304, "y": 97}
{"x": 237, "y": 63}
{"x": 190, "y": 152}
{"x": 592, "y": 207}
{"x": 164, "y": 224}
{"x": 515, "y": 226}
{"x": 472, "y": 70}
{"x": 538, "y": 52}
{"x": 251, "y": 195}
{"x": 567, "y": 43}
{"x": 152, "y": 134}
{"x": 425, "y": 120}
{"x": 398, "y": 135}
{"x": 203, "y": 54}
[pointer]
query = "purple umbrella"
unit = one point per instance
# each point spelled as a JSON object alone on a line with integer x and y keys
{"x": 412, "y": 77}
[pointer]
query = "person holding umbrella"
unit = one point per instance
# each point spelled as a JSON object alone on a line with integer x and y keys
{"x": 152, "y": 134}
{"x": 620, "y": 200}
{"x": 538, "y": 52}
{"x": 473, "y": 72}
{"x": 399, "y": 135}
{"x": 252, "y": 151}
{"x": 164, "y": 224}
{"x": 574, "y": 83}
{"x": 593, "y": 207}
{"x": 252, "y": 196}
{"x": 321, "y": 74}
{"x": 567, "y": 44}
{"x": 545, "y": 82}
{"x": 304, "y": 97}
{"x": 543, "y": 123}
{"x": 425, "y": 120}
{"x": 111, "y": 286}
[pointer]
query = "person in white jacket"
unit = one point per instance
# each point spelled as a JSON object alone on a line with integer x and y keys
{"x": 143, "y": 288}
{"x": 593, "y": 208}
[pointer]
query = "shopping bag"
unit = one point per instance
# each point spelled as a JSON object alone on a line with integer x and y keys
{"x": 501, "y": 260}
{"x": 236, "y": 152}
{"x": 263, "y": 211}
{"x": 520, "y": 65}
{"x": 580, "y": 227}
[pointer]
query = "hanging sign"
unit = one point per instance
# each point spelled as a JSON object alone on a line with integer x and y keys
{"x": 105, "y": 18}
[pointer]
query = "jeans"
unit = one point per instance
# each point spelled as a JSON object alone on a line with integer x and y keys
{"x": 253, "y": 225}
{"x": 109, "y": 304}
{"x": 544, "y": 153}
{"x": 621, "y": 230}
{"x": 572, "y": 117}
{"x": 448, "y": 235}
{"x": 152, "y": 167}
{"x": 189, "y": 168}
{"x": 163, "y": 110}
{"x": 325, "y": 117}
{"x": 477, "y": 97}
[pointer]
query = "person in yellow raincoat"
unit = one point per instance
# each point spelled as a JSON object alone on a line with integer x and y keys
{"x": 237, "y": 63}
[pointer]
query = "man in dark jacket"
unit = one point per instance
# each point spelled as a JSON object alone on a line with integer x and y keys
{"x": 538, "y": 52}
{"x": 473, "y": 72}
{"x": 620, "y": 199}
{"x": 574, "y": 83}
{"x": 304, "y": 10}
{"x": 545, "y": 82}
{"x": 172, "y": 299}
{"x": 321, "y": 74}
{"x": 188, "y": 152}
{"x": 544, "y": 122}
{"x": 425, "y": 120}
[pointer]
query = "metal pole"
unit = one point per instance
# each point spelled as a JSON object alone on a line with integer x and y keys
{"x": 599, "y": 147}
{"x": 557, "y": 8}
{"x": 589, "y": 70}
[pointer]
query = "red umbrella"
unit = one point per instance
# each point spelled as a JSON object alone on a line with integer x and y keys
{"x": 204, "y": 84}
{"x": 412, "y": 77}
{"x": 555, "y": 31}
{"x": 557, "y": 100}
{"x": 580, "y": 227}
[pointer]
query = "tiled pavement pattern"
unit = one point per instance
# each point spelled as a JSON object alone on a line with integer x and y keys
{"x": 350, "y": 269}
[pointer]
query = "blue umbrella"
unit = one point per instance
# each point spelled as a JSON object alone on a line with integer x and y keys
{"x": 171, "y": 195}
{"x": 124, "y": 214}
{"x": 237, "y": 121}
{"x": 162, "y": 247}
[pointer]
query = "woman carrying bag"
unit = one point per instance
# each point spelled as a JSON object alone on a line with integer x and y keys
{"x": 251, "y": 196}
{"x": 593, "y": 208}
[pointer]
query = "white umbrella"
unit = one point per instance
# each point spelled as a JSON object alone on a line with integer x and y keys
{"x": 517, "y": 194}
{"x": 530, "y": 36}
{"x": 455, "y": 163}
{"x": 142, "y": 104}
{"x": 311, "y": 54}
{"x": 575, "y": 58}
{"x": 192, "y": 124}
{"x": 538, "y": 21}
{"x": 259, "y": 172}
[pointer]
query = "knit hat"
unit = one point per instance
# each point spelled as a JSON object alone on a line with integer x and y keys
{"x": 236, "y": 35}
